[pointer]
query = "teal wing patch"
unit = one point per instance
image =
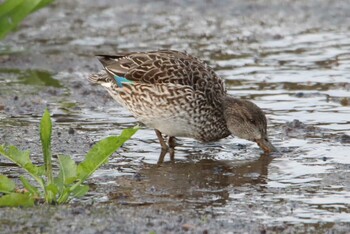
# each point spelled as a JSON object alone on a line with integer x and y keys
{"x": 120, "y": 80}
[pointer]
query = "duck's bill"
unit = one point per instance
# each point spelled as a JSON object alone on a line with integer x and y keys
{"x": 266, "y": 146}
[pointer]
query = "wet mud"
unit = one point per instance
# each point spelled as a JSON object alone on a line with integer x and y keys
{"x": 291, "y": 58}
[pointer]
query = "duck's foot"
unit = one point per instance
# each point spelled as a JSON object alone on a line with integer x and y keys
{"x": 172, "y": 143}
{"x": 162, "y": 156}
{"x": 165, "y": 147}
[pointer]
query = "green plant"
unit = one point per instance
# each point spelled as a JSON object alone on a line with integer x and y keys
{"x": 69, "y": 181}
{"x": 12, "y": 12}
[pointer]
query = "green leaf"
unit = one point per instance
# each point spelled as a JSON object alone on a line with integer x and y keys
{"x": 45, "y": 137}
{"x": 80, "y": 191}
{"x": 8, "y": 6}
{"x": 12, "y": 12}
{"x": 21, "y": 158}
{"x": 6, "y": 185}
{"x": 53, "y": 188}
{"x": 51, "y": 192}
{"x": 33, "y": 190}
{"x": 100, "y": 153}
{"x": 58, "y": 181}
{"x": 68, "y": 169}
{"x": 16, "y": 199}
{"x": 64, "y": 195}
{"x": 42, "y": 4}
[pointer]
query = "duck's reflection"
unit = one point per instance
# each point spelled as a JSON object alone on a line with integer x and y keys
{"x": 203, "y": 182}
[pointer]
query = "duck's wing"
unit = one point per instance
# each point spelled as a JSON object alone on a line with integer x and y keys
{"x": 163, "y": 66}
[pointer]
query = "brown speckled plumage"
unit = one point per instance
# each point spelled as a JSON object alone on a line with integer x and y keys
{"x": 179, "y": 95}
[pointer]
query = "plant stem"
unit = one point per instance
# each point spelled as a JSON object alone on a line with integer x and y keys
{"x": 45, "y": 137}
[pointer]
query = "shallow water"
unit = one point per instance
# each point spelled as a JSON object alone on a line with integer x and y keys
{"x": 295, "y": 67}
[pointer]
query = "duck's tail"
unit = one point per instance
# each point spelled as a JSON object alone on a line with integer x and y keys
{"x": 100, "y": 77}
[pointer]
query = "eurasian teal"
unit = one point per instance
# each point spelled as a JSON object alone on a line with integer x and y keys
{"x": 180, "y": 96}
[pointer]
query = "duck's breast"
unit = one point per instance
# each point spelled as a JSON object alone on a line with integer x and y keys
{"x": 173, "y": 109}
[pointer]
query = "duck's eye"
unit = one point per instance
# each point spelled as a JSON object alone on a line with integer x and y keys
{"x": 252, "y": 121}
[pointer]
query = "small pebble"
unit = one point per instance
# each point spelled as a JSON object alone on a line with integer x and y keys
{"x": 187, "y": 227}
{"x": 345, "y": 102}
{"x": 296, "y": 124}
{"x": 299, "y": 95}
{"x": 137, "y": 176}
{"x": 71, "y": 131}
{"x": 345, "y": 139}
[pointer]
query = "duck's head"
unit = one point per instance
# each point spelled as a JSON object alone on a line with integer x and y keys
{"x": 246, "y": 120}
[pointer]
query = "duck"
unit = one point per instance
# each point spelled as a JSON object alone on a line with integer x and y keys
{"x": 179, "y": 95}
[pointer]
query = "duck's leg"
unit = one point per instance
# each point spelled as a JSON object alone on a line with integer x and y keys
{"x": 172, "y": 144}
{"x": 164, "y": 146}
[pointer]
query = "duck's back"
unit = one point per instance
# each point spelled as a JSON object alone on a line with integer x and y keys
{"x": 171, "y": 91}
